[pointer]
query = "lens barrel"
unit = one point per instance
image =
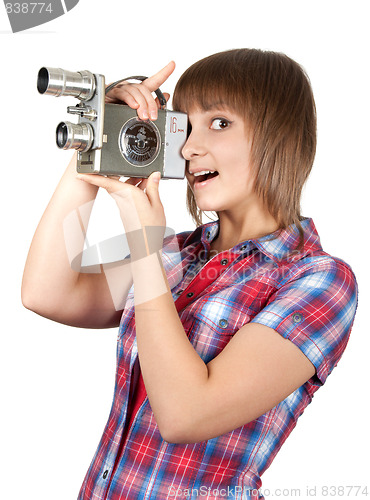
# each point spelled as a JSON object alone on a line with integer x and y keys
{"x": 59, "y": 82}
{"x": 77, "y": 136}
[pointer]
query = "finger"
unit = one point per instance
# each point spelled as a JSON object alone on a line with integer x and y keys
{"x": 148, "y": 107}
{"x": 114, "y": 95}
{"x": 140, "y": 98}
{"x": 143, "y": 184}
{"x": 137, "y": 182}
{"x": 152, "y": 189}
{"x": 129, "y": 100}
{"x": 111, "y": 100}
{"x": 110, "y": 185}
{"x": 134, "y": 181}
{"x": 155, "y": 81}
{"x": 127, "y": 94}
{"x": 151, "y": 109}
{"x": 166, "y": 96}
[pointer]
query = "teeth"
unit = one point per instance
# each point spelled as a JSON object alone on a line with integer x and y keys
{"x": 203, "y": 172}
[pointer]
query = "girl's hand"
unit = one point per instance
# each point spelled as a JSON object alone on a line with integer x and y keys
{"x": 138, "y": 199}
{"x": 140, "y": 208}
{"x": 139, "y": 95}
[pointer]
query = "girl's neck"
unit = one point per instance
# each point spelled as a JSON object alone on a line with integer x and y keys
{"x": 235, "y": 228}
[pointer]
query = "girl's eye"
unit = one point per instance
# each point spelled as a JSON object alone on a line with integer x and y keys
{"x": 219, "y": 124}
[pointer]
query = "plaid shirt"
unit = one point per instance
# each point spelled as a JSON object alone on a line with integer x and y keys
{"x": 307, "y": 296}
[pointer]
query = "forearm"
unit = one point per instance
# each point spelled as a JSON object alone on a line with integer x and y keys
{"x": 173, "y": 372}
{"x": 48, "y": 272}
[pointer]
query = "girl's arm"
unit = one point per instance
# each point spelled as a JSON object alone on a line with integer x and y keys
{"x": 50, "y": 286}
{"x": 193, "y": 401}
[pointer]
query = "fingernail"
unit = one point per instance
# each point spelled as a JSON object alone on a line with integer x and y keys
{"x": 153, "y": 115}
{"x": 156, "y": 177}
{"x": 145, "y": 115}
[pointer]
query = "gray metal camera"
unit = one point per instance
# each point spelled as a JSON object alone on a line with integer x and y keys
{"x": 110, "y": 138}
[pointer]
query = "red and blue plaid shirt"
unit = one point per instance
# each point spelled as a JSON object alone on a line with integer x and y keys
{"x": 307, "y": 296}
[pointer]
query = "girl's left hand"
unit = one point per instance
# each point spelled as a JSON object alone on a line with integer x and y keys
{"x": 140, "y": 208}
{"x": 139, "y": 95}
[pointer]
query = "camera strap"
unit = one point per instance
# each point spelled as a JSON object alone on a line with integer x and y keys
{"x": 158, "y": 92}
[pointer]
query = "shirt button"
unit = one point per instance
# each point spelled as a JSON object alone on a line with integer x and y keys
{"x": 297, "y": 317}
{"x": 208, "y": 234}
{"x": 223, "y": 323}
{"x": 224, "y": 262}
{"x": 179, "y": 292}
{"x": 105, "y": 474}
{"x": 190, "y": 294}
{"x": 243, "y": 248}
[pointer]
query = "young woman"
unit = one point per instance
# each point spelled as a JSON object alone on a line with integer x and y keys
{"x": 229, "y": 330}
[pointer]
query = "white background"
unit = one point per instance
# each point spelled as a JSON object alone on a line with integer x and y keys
{"x": 57, "y": 381}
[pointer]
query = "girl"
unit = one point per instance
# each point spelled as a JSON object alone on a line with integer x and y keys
{"x": 229, "y": 330}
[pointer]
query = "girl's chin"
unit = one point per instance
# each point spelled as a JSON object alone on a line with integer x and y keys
{"x": 207, "y": 207}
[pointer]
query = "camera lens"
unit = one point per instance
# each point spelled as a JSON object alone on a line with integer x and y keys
{"x": 42, "y": 80}
{"x": 77, "y": 136}
{"x": 57, "y": 82}
{"x": 62, "y": 135}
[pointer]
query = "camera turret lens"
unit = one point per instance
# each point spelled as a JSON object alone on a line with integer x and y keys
{"x": 43, "y": 80}
{"x": 57, "y": 82}
{"x": 77, "y": 136}
{"x": 62, "y": 135}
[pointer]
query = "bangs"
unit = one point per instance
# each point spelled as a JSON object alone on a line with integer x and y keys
{"x": 206, "y": 85}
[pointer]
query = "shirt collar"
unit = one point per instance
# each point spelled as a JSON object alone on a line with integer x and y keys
{"x": 278, "y": 246}
{"x": 283, "y": 243}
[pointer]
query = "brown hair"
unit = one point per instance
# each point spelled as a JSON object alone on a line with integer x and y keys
{"x": 274, "y": 96}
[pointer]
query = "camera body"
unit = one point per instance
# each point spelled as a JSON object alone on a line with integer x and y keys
{"x": 110, "y": 138}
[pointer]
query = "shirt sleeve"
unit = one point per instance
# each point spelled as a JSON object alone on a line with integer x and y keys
{"x": 315, "y": 309}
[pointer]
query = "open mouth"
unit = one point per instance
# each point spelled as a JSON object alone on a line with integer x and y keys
{"x": 204, "y": 177}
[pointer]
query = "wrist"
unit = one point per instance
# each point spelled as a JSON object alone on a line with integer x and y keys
{"x": 145, "y": 241}
{"x": 149, "y": 279}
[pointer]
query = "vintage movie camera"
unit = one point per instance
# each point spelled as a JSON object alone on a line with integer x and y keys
{"x": 110, "y": 138}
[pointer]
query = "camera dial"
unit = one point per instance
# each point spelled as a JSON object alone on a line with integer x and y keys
{"x": 139, "y": 142}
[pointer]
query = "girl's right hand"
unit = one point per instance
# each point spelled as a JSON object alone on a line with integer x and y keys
{"x": 139, "y": 95}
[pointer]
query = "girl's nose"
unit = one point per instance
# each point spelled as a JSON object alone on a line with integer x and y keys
{"x": 193, "y": 147}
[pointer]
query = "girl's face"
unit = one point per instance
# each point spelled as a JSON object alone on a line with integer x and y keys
{"x": 218, "y": 143}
